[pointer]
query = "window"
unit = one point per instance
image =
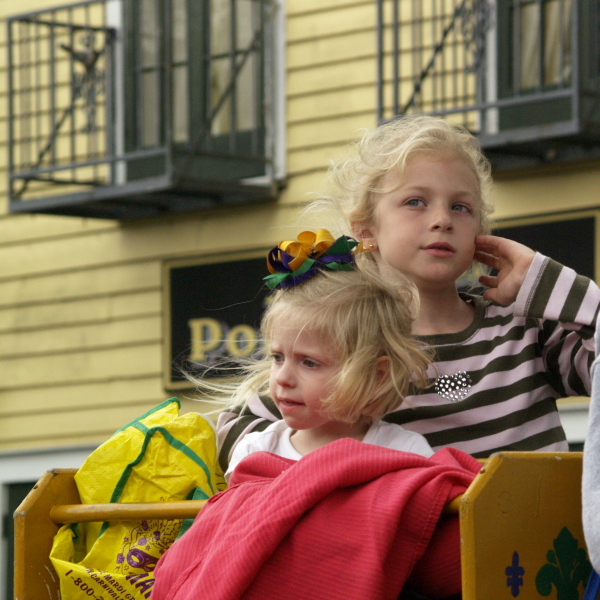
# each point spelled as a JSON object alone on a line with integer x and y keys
{"x": 535, "y": 41}
{"x": 215, "y": 52}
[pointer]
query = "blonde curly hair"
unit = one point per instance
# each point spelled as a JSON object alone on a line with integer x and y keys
{"x": 388, "y": 148}
{"x": 362, "y": 318}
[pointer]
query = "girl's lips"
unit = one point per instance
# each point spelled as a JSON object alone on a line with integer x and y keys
{"x": 441, "y": 250}
{"x": 283, "y": 402}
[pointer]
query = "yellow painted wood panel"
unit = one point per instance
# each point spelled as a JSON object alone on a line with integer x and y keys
{"x": 76, "y": 367}
{"x": 211, "y": 232}
{"x": 340, "y": 76}
{"x": 93, "y": 310}
{"x": 73, "y": 427}
{"x": 80, "y": 425}
{"x": 539, "y": 194}
{"x": 136, "y": 389}
{"x": 314, "y": 159}
{"x": 302, "y": 7}
{"x": 10, "y": 7}
{"x": 336, "y": 133}
{"x": 359, "y": 100}
{"x": 301, "y": 189}
{"x": 22, "y": 228}
{"x": 81, "y": 338}
{"x": 80, "y": 284}
{"x": 323, "y": 51}
{"x": 51, "y": 441}
{"x": 334, "y": 21}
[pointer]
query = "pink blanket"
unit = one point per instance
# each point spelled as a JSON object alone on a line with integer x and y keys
{"x": 348, "y": 520}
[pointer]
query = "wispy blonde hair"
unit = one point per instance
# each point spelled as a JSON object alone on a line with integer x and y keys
{"x": 388, "y": 148}
{"x": 362, "y": 318}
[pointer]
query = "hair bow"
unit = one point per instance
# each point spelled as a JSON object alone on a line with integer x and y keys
{"x": 292, "y": 262}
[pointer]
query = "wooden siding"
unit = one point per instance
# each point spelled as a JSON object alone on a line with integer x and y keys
{"x": 81, "y": 300}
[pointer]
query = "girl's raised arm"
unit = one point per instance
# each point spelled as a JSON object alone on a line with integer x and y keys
{"x": 564, "y": 307}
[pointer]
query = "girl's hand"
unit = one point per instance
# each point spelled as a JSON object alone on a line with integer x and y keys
{"x": 510, "y": 259}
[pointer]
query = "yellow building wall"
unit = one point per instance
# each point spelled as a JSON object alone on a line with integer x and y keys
{"x": 81, "y": 309}
{"x": 555, "y": 190}
{"x": 81, "y": 304}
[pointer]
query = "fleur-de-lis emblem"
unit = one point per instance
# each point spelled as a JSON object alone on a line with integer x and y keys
{"x": 567, "y": 568}
{"x": 514, "y": 575}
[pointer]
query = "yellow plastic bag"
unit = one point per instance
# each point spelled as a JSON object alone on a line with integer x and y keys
{"x": 158, "y": 457}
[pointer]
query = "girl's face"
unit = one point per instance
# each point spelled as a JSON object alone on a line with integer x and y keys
{"x": 426, "y": 226}
{"x": 301, "y": 370}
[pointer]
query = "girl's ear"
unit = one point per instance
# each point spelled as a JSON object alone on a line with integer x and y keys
{"x": 383, "y": 369}
{"x": 360, "y": 230}
{"x": 364, "y": 234}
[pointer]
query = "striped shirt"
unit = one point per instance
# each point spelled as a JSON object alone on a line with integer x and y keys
{"x": 494, "y": 385}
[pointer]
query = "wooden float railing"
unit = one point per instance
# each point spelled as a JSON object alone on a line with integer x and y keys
{"x": 510, "y": 519}
{"x": 86, "y": 513}
{"x": 186, "y": 509}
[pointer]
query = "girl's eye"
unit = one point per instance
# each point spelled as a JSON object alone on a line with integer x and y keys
{"x": 414, "y": 202}
{"x": 311, "y": 364}
{"x": 276, "y": 358}
{"x": 461, "y": 208}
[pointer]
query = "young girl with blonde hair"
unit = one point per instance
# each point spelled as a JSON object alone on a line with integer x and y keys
{"x": 416, "y": 192}
{"x": 338, "y": 353}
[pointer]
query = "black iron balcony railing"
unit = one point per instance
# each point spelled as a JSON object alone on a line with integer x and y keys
{"x": 523, "y": 75}
{"x": 126, "y": 108}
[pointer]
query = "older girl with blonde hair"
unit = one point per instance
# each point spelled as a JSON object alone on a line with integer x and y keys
{"x": 416, "y": 192}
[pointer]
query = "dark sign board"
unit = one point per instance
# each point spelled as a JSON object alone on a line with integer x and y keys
{"x": 571, "y": 241}
{"x": 212, "y": 313}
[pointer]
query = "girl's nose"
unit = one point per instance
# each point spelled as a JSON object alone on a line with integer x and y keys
{"x": 441, "y": 220}
{"x": 285, "y": 375}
